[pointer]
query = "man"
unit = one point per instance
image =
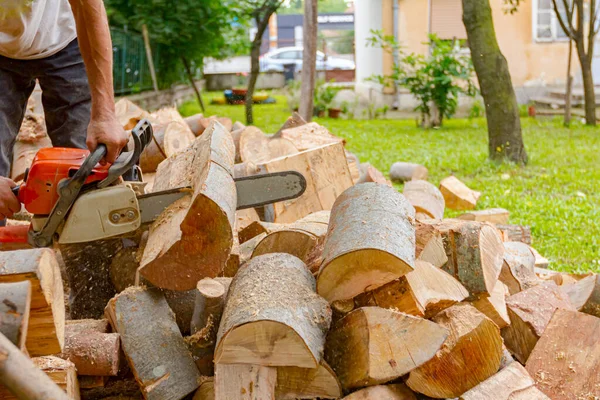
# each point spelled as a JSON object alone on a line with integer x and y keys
{"x": 56, "y": 42}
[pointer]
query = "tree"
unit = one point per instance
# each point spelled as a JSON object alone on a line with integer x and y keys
{"x": 309, "y": 59}
{"x": 504, "y": 126}
{"x": 326, "y": 6}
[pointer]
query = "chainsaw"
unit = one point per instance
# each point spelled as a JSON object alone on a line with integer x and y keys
{"x": 74, "y": 199}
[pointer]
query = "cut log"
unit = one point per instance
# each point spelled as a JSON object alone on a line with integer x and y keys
{"x": 233, "y": 261}
{"x": 423, "y": 292}
{"x": 254, "y": 146}
{"x": 206, "y": 391}
{"x": 242, "y": 170}
{"x": 15, "y": 303}
{"x": 256, "y": 228}
{"x": 585, "y": 294}
{"x": 115, "y": 389}
{"x": 77, "y": 326}
{"x": 243, "y": 218}
{"x": 226, "y": 122}
{"x": 508, "y": 384}
{"x": 327, "y": 176}
{"x": 492, "y": 215}
{"x": 92, "y": 352}
{"x": 195, "y": 123}
{"x": 529, "y": 312}
{"x": 280, "y": 148}
{"x": 425, "y": 198}
{"x": 31, "y": 138}
{"x": 46, "y": 331}
{"x": 403, "y": 171}
{"x": 518, "y": 267}
{"x": 91, "y": 382}
{"x": 210, "y": 300}
{"x": 566, "y": 361}
{"x": 152, "y": 343}
{"x": 341, "y": 308}
{"x": 457, "y": 195}
{"x": 383, "y": 392}
{"x": 307, "y": 383}
{"x": 303, "y": 239}
{"x": 260, "y": 323}
{"x": 353, "y": 166}
{"x": 247, "y": 248}
{"x": 515, "y": 233}
{"x": 245, "y": 382}
{"x": 237, "y": 125}
{"x": 123, "y": 268}
{"x": 310, "y": 136}
{"x": 182, "y": 305}
{"x": 471, "y": 354}
{"x": 540, "y": 261}
{"x": 292, "y": 122}
{"x": 370, "y": 241}
{"x": 129, "y": 114}
{"x": 372, "y": 345}
{"x": 169, "y": 138}
{"x": 369, "y": 173}
{"x": 193, "y": 237}
{"x": 23, "y": 378}
{"x": 429, "y": 245}
{"x": 494, "y": 305}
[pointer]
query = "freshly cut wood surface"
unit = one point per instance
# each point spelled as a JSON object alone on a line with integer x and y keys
{"x": 492, "y": 215}
{"x": 530, "y": 312}
{"x": 327, "y": 176}
{"x": 261, "y": 323}
{"x": 256, "y": 228}
{"x": 494, "y": 305}
{"x": 508, "y": 384}
{"x": 93, "y": 353}
{"x": 369, "y": 173}
{"x": 206, "y": 391}
{"x": 383, "y": 392}
{"x": 193, "y": 237}
{"x": 242, "y": 170}
{"x": 247, "y": 248}
{"x": 309, "y": 136}
{"x": 169, "y": 138}
{"x": 129, "y": 114}
{"x": 243, "y": 218}
{"x": 515, "y": 233}
{"x": 244, "y": 382}
{"x": 457, "y": 195}
{"x": 15, "y": 303}
{"x": 540, "y": 261}
{"x": 196, "y": 123}
{"x": 372, "y": 345}
{"x": 46, "y": 331}
{"x": 566, "y": 361}
{"x": 470, "y": 355}
{"x": 303, "y": 239}
{"x": 237, "y": 125}
{"x": 254, "y": 146}
{"x": 584, "y": 294}
{"x": 354, "y": 167}
{"x": 425, "y": 198}
{"x": 518, "y": 272}
{"x": 423, "y": 292}
{"x": 210, "y": 300}
{"x": 152, "y": 343}
{"x": 307, "y": 383}
{"x": 403, "y": 171}
{"x": 429, "y": 245}
{"x": 370, "y": 241}
{"x": 87, "y": 325}
{"x": 31, "y": 138}
{"x": 292, "y": 122}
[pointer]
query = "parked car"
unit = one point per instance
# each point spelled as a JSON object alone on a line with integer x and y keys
{"x": 276, "y": 60}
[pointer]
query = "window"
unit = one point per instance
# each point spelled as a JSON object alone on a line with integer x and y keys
{"x": 546, "y": 27}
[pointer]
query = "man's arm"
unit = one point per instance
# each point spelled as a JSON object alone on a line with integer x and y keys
{"x": 96, "y": 49}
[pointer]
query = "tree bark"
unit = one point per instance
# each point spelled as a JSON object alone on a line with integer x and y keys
{"x": 309, "y": 59}
{"x": 502, "y": 112}
{"x": 588, "y": 87}
{"x": 190, "y": 76}
{"x": 569, "y": 96}
{"x": 261, "y": 25}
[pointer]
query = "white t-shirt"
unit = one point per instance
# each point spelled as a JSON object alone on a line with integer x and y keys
{"x": 33, "y": 29}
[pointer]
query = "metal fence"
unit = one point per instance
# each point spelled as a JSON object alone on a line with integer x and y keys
{"x": 130, "y": 67}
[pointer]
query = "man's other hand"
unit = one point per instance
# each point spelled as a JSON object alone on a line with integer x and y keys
{"x": 9, "y": 204}
{"x": 109, "y": 132}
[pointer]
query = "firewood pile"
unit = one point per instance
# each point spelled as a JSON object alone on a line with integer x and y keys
{"x": 353, "y": 290}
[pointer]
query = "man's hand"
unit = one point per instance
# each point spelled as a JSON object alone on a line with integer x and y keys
{"x": 9, "y": 204}
{"x": 107, "y": 131}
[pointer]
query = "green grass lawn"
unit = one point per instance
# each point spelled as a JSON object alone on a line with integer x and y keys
{"x": 557, "y": 193}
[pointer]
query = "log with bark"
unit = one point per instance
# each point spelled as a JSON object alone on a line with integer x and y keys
{"x": 396, "y": 391}
{"x": 515, "y": 233}
{"x": 244, "y": 382}
{"x": 169, "y": 138}
{"x": 292, "y": 122}
{"x": 423, "y": 292}
{"x": 492, "y": 215}
{"x": 129, "y": 114}
{"x": 494, "y": 305}
{"x": 370, "y": 241}
{"x": 115, "y": 388}
{"x": 429, "y": 245}
{"x": 256, "y": 228}
{"x": 152, "y": 343}
{"x": 46, "y": 331}
{"x": 565, "y": 363}
{"x": 530, "y": 312}
{"x": 247, "y": 248}
{"x": 369, "y": 173}
{"x": 206, "y": 391}
{"x": 403, "y": 172}
{"x": 266, "y": 300}
{"x": 245, "y": 217}
{"x": 31, "y": 138}
{"x": 372, "y": 345}
{"x": 425, "y": 198}
{"x": 457, "y": 195}
{"x": 209, "y": 302}
{"x": 193, "y": 237}
{"x": 15, "y": 304}
{"x": 309, "y": 136}
{"x": 540, "y": 261}
{"x": 93, "y": 352}
{"x": 471, "y": 354}
{"x": 518, "y": 272}
{"x": 307, "y": 383}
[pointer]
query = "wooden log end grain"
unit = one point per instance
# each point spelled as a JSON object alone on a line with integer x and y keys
{"x": 492, "y": 215}
{"x": 243, "y": 381}
{"x": 403, "y": 172}
{"x": 457, "y": 195}
{"x": 425, "y": 198}
{"x": 303, "y": 383}
{"x": 395, "y": 391}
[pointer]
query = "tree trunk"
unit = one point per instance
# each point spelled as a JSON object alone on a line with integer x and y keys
{"x": 502, "y": 112}
{"x": 190, "y": 76}
{"x": 309, "y": 59}
{"x": 588, "y": 88}
{"x": 254, "y": 64}
{"x": 569, "y": 96}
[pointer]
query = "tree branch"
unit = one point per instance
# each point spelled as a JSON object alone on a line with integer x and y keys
{"x": 568, "y": 29}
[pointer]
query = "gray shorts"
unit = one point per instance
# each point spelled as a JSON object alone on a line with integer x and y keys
{"x": 65, "y": 97}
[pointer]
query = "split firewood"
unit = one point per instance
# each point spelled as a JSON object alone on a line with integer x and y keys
{"x": 309, "y": 136}
{"x": 24, "y": 379}
{"x": 584, "y": 294}
{"x": 515, "y": 233}
{"x": 518, "y": 272}
{"x": 206, "y": 391}
{"x": 327, "y": 176}
{"x": 370, "y": 241}
{"x": 403, "y": 172}
{"x": 152, "y": 343}
{"x": 244, "y": 382}
{"x": 254, "y": 146}
{"x": 494, "y": 305}
{"x": 242, "y": 170}
{"x": 492, "y": 215}
{"x": 508, "y": 384}
{"x": 115, "y": 388}
{"x": 429, "y": 245}
{"x": 471, "y": 354}
{"x": 369, "y": 173}
{"x": 256, "y": 228}
{"x": 566, "y": 363}
{"x": 354, "y": 166}
{"x": 372, "y": 345}
{"x": 92, "y": 382}
{"x": 425, "y": 198}
{"x": 540, "y": 261}
{"x": 292, "y": 122}
{"x": 264, "y": 301}
{"x": 530, "y": 312}
{"x": 303, "y": 239}
{"x": 129, "y": 114}
{"x": 237, "y": 125}
{"x": 46, "y": 331}
{"x": 341, "y": 308}
{"x": 307, "y": 383}
{"x": 15, "y": 303}
{"x": 78, "y": 326}
{"x": 383, "y": 392}
{"x": 31, "y": 138}
{"x": 180, "y": 249}
{"x": 169, "y": 138}
{"x": 507, "y": 358}
{"x": 457, "y": 195}
{"x": 209, "y": 303}
{"x": 233, "y": 261}
{"x": 423, "y": 292}
{"x": 245, "y": 217}
{"x": 198, "y": 123}
{"x": 247, "y": 248}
